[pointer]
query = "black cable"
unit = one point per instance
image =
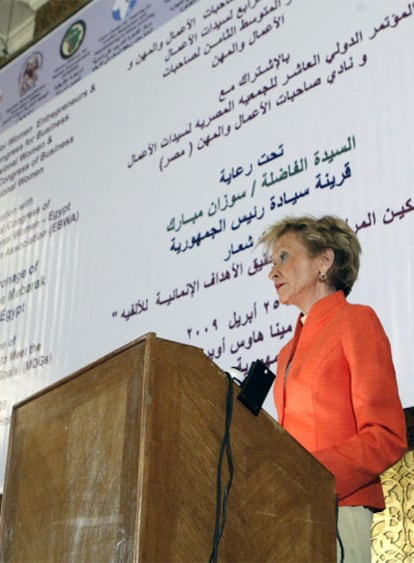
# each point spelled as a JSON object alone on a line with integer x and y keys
{"x": 221, "y": 503}
{"x": 338, "y": 537}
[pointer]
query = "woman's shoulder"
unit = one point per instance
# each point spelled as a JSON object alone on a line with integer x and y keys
{"x": 359, "y": 309}
{"x": 337, "y": 306}
{"x": 356, "y": 315}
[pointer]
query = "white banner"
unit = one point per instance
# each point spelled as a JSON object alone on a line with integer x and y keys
{"x": 133, "y": 201}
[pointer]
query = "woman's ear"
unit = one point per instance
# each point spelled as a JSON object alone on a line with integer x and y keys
{"x": 327, "y": 258}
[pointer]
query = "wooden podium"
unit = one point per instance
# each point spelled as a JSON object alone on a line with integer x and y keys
{"x": 118, "y": 463}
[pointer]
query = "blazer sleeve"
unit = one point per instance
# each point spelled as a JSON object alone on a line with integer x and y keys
{"x": 380, "y": 438}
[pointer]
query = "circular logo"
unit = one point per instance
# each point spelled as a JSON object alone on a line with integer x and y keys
{"x": 72, "y": 39}
{"x": 122, "y": 8}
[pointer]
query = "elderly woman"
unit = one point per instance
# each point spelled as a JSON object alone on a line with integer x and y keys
{"x": 335, "y": 389}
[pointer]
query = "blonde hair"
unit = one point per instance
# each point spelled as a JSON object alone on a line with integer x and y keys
{"x": 317, "y": 235}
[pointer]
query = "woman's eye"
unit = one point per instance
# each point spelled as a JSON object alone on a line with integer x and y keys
{"x": 283, "y": 257}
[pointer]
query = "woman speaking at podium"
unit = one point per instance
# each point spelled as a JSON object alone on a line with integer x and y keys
{"x": 335, "y": 388}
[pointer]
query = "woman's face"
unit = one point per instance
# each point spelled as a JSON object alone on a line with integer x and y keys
{"x": 295, "y": 274}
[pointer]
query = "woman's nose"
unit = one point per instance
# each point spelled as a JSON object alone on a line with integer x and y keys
{"x": 272, "y": 274}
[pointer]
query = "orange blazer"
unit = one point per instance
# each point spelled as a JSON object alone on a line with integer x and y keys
{"x": 340, "y": 398}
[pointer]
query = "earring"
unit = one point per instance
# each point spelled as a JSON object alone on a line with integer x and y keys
{"x": 322, "y": 276}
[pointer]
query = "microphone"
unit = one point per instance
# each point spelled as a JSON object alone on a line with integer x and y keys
{"x": 256, "y": 386}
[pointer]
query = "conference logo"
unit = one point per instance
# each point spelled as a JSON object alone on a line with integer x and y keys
{"x": 30, "y": 72}
{"x": 73, "y": 39}
{"x": 122, "y": 8}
